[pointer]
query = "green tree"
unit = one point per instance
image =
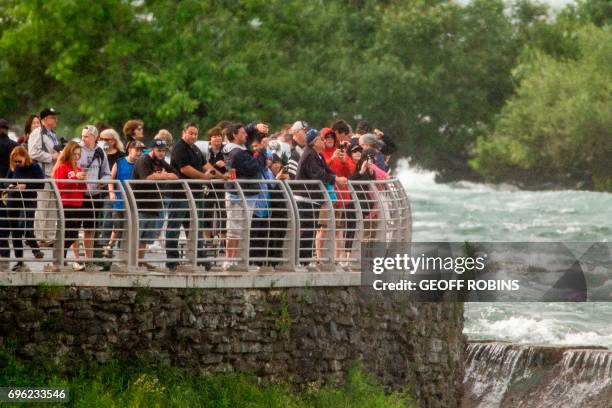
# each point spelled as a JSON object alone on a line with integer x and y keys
{"x": 557, "y": 127}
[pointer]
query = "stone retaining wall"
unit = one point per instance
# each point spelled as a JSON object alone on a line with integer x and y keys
{"x": 303, "y": 335}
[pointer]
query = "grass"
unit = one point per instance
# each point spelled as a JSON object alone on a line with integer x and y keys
{"x": 141, "y": 384}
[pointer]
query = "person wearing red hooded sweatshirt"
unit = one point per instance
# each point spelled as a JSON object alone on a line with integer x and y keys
{"x": 338, "y": 160}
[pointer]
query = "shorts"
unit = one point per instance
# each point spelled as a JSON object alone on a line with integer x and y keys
{"x": 237, "y": 218}
{"x": 324, "y": 217}
{"x": 90, "y": 211}
{"x": 147, "y": 225}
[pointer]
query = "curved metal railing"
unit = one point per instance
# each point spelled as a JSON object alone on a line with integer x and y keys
{"x": 195, "y": 225}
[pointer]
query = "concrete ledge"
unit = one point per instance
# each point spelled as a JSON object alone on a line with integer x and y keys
{"x": 190, "y": 280}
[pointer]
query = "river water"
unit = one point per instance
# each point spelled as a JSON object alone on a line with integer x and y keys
{"x": 476, "y": 212}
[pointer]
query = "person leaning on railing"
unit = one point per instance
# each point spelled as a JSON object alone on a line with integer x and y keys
{"x": 312, "y": 166}
{"x": 71, "y": 194}
{"x": 338, "y": 160}
{"x": 93, "y": 160}
{"x": 151, "y": 166}
{"x": 122, "y": 170}
{"x": 190, "y": 164}
{"x": 243, "y": 164}
{"x": 20, "y": 205}
{"x": 367, "y": 170}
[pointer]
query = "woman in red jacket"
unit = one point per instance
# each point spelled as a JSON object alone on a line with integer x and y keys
{"x": 71, "y": 193}
{"x": 338, "y": 160}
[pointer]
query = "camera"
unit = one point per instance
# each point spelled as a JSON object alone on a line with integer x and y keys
{"x": 285, "y": 170}
{"x": 60, "y": 146}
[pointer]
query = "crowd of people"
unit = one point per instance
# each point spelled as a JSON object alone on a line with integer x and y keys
{"x": 87, "y": 169}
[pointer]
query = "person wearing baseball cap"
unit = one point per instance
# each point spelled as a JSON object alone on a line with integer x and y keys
{"x": 312, "y": 166}
{"x": 298, "y": 134}
{"x": 151, "y": 166}
{"x": 44, "y": 147}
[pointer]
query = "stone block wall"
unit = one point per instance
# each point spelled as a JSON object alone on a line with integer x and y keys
{"x": 302, "y": 335}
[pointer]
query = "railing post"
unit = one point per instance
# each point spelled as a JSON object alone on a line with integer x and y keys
{"x": 131, "y": 210}
{"x": 359, "y": 227}
{"x": 58, "y": 248}
{"x": 127, "y": 233}
{"x": 247, "y": 223}
{"x": 193, "y": 234}
{"x": 330, "y": 244}
{"x": 382, "y": 216}
{"x": 406, "y": 213}
{"x": 293, "y": 226}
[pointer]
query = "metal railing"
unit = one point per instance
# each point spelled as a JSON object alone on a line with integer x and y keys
{"x": 194, "y": 225}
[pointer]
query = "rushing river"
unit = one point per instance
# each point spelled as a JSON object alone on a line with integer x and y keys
{"x": 477, "y": 212}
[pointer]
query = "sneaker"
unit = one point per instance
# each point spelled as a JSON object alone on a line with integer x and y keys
{"x": 44, "y": 244}
{"x": 313, "y": 267}
{"x": 90, "y": 267}
{"x": 78, "y": 267}
{"x": 231, "y": 267}
{"x": 147, "y": 265}
{"x": 156, "y": 246}
{"x": 20, "y": 267}
{"x": 51, "y": 268}
{"x": 38, "y": 254}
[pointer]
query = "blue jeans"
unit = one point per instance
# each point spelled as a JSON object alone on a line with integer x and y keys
{"x": 178, "y": 215}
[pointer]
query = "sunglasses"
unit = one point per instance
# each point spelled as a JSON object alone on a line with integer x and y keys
{"x": 106, "y": 139}
{"x": 19, "y": 162}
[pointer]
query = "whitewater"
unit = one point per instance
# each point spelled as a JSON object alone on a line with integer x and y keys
{"x": 466, "y": 211}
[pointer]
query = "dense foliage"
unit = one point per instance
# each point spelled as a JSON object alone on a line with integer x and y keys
{"x": 434, "y": 74}
{"x": 141, "y": 384}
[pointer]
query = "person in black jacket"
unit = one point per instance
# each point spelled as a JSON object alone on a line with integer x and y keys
{"x": 241, "y": 164}
{"x": 20, "y": 205}
{"x": 312, "y": 166}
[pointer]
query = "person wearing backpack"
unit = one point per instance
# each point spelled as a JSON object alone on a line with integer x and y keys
{"x": 93, "y": 160}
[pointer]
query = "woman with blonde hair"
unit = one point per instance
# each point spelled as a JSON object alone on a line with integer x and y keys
{"x": 71, "y": 193}
{"x": 110, "y": 141}
{"x": 21, "y": 204}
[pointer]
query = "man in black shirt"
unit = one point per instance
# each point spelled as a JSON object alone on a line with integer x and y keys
{"x": 190, "y": 163}
{"x": 151, "y": 166}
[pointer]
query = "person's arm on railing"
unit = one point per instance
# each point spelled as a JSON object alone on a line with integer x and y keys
{"x": 111, "y": 186}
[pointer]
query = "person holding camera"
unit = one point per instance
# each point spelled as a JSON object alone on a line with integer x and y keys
{"x": 44, "y": 148}
{"x": 338, "y": 160}
{"x": 312, "y": 166}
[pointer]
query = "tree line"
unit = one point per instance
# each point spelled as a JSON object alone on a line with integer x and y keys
{"x": 487, "y": 90}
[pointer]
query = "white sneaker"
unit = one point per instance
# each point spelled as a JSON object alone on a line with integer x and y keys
{"x": 231, "y": 266}
{"x": 156, "y": 247}
{"x": 78, "y": 267}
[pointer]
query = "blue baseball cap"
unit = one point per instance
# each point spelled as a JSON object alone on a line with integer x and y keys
{"x": 311, "y": 136}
